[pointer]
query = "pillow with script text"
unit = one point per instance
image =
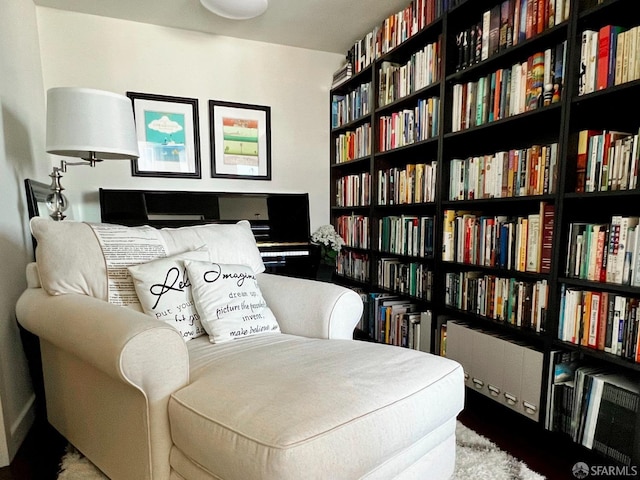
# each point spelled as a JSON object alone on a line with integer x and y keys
{"x": 229, "y": 301}
{"x": 164, "y": 291}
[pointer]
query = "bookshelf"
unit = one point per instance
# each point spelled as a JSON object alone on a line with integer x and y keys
{"x": 492, "y": 150}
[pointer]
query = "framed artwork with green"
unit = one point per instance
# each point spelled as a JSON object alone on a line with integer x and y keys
{"x": 168, "y": 136}
{"x": 240, "y": 140}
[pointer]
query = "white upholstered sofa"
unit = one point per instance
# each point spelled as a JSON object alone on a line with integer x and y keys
{"x": 302, "y": 402}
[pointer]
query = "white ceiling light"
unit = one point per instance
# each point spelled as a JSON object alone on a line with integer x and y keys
{"x": 236, "y": 9}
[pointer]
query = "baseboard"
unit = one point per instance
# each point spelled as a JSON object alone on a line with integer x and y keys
{"x": 20, "y": 428}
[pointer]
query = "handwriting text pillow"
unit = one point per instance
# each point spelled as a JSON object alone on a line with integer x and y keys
{"x": 229, "y": 301}
{"x": 164, "y": 291}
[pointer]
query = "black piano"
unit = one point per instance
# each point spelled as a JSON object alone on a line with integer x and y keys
{"x": 279, "y": 221}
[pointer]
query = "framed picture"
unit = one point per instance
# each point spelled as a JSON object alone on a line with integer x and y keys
{"x": 240, "y": 140}
{"x": 168, "y": 136}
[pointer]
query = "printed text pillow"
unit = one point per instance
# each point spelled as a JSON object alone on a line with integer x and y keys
{"x": 229, "y": 301}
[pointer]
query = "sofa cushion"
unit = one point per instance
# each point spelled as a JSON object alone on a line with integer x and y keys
{"x": 307, "y": 405}
{"x": 229, "y": 301}
{"x": 164, "y": 291}
{"x": 75, "y": 257}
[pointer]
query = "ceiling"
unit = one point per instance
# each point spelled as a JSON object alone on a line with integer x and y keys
{"x": 325, "y": 25}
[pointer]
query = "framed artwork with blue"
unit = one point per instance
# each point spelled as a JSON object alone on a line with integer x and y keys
{"x": 168, "y": 136}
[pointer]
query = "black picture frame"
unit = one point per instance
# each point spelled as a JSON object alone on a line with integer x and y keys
{"x": 177, "y": 120}
{"x": 248, "y": 156}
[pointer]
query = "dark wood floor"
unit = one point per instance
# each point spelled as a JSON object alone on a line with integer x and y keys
{"x": 548, "y": 454}
{"x": 38, "y": 457}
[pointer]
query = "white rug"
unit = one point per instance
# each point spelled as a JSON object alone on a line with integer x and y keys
{"x": 477, "y": 458}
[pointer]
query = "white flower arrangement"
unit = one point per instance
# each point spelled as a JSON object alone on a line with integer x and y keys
{"x": 330, "y": 243}
{"x": 326, "y": 235}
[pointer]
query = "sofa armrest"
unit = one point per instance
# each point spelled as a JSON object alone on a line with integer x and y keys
{"x": 310, "y": 308}
{"x": 123, "y": 343}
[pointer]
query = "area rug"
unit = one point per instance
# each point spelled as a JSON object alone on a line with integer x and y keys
{"x": 477, "y": 458}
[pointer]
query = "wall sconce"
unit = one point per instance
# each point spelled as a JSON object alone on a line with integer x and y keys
{"x": 236, "y": 9}
{"x": 93, "y": 125}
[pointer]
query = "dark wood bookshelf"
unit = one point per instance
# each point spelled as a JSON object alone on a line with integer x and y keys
{"x": 613, "y": 108}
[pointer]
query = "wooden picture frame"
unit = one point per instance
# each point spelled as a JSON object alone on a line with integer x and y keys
{"x": 168, "y": 136}
{"x": 240, "y": 140}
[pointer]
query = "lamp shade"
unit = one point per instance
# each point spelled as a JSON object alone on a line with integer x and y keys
{"x": 82, "y": 121}
{"x": 236, "y": 9}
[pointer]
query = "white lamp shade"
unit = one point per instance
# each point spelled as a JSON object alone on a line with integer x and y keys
{"x": 84, "y": 120}
{"x": 236, "y": 9}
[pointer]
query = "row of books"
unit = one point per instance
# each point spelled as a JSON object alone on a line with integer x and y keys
{"x": 596, "y": 407}
{"x": 394, "y": 30}
{"x": 508, "y": 300}
{"x": 353, "y": 144}
{"x": 534, "y": 83}
{"x": 606, "y": 160}
{"x": 341, "y": 75}
{"x": 603, "y": 321}
{"x": 608, "y": 57}
{"x": 353, "y": 190}
{"x": 396, "y": 80}
{"x": 412, "y": 183}
{"x": 507, "y": 23}
{"x": 410, "y": 125}
{"x": 410, "y": 235}
{"x": 354, "y": 230}
{"x": 512, "y": 173}
{"x": 605, "y": 252}
{"x": 521, "y": 243}
{"x": 396, "y": 321}
{"x": 354, "y": 265}
{"x": 351, "y": 106}
{"x": 405, "y": 278}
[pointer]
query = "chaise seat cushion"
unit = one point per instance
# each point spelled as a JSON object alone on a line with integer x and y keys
{"x": 251, "y": 413}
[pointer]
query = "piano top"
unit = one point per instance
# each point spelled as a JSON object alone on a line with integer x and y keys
{"x": 276, "y": 219}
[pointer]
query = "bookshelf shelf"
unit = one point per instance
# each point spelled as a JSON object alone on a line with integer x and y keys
{"x": 456, "y": 144}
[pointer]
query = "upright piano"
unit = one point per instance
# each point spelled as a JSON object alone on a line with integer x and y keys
{"x": 279, "y": 221}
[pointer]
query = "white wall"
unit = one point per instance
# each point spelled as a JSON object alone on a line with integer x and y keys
{"x": 120, "y": 56}
{"x": 21, "y": 156}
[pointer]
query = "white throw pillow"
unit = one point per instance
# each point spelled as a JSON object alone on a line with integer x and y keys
{"x": 164, "y": 291}
{"x": 73, "y": 257}
{"x": 229, "y": 301}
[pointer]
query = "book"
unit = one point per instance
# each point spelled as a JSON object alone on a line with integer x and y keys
{"x": 585, "y": 52}
{"x": 426, "y": 329}
{"x": 504, "y": 24}
{"x": 581, "y": 158}
{"x": 592, "y": 58}
{"x": 547, "y": 214}
{"x": 558, "y": 71}
{"x": 615, "y": 434}
{"x": 494, "y": 29}
{"x": 594, "y": 320}
{"x": 562, "y": 367}
{"x": 537, "y": 81}
{"x": 583, "y": 379}
{"x": 576, "y": 230}
{"x": 626, "y": 222}
{"x": 486, "y": 27}
{"x": 602, "y": 320}
{"x": 605, "y": 53}
{"x": 532, "y": 263}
